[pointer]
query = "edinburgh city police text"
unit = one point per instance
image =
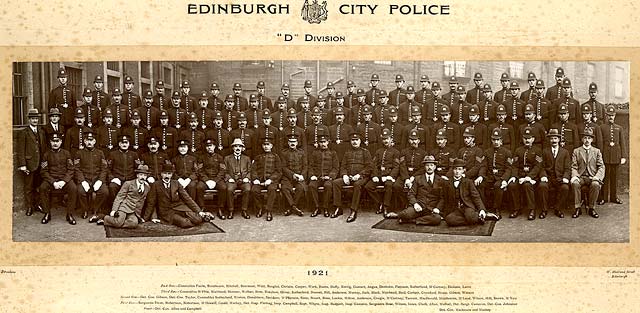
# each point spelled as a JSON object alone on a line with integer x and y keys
{"x": 346, "y": 9}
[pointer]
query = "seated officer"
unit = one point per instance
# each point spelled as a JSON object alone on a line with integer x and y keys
{"x": 460, "y": 200}
{"x": 587, "y": 169}
{"x": 90, "y": 175}
{"x": 355, "y": 169}
{"x": 266, "y": 172}
{"x": 238, "y": 175}
{"x": 386, "y": 163}
{"x": 496, "y": 173}
{"x": 423, "y": 196}
{"x": 57, "y": 173}
{"x": 186, "y": 168}
{"x": 294, "y": 173}
{"x": 211, "y": 173}
{"x": 527, "y": 164}
{"x": 556, "y": 174}
{"x": 172, "y": 203}
{"x": 409, "y": 167}
{"x": 323, "y": 169}
{"x": 126, "y": 211}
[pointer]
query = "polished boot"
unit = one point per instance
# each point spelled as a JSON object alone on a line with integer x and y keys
{"x": 390, "y": 215}
{"x": 618, "y": 201}
{"x": 352, "y": 216}
{"x": 491, "y": 216}
{"x": 601, "y": 202}
{"x": 532, "y": 215}
{"x": 577, "y": 213}
{"x": 85, "y": 214}
{"x": 514, "y": 214}
{"x": 29, "y": 211}
{"x": 315, "y": 212}
{"x": 46, "y": 218}
{"x": 93, "y": 219}
{"x": 298, "y": 211}
{"x": 245, "y": 214}
{"x": 543, "y": 214}
{"x": 230, "y": 216}
{"x": 220, "y": 215}
{"x": 259, "y": 215}
{"x": 100, "y": 222}
{"x": 337, "y": 213}
{"x": 287, "y": 212}
{"x": 269, "y": 216}
{"x": 559, "y": 214}
{"x": 380, "y": 209}
{"x": 326, "y": 213}
{"x": 593, "y": 213}
{"x": 70, "y": 219}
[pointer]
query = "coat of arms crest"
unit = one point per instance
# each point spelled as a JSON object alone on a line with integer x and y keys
{"x": 314, "y": 13}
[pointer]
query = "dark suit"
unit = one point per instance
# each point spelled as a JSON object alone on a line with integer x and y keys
{"x": 427, "y": 195}
{"x": 173, "y": 205}
{"x": 237, "y": 170}
{"x": 555, "y": 169}
{"x": 460, "y": 204}
{"x": 29, "y": 152}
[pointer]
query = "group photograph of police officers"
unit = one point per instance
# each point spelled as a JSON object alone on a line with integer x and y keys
{"x": 395, "y": 147}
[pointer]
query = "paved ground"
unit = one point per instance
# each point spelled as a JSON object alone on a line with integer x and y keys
{"x": 612, "y": 226}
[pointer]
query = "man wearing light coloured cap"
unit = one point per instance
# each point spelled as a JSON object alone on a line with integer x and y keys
{"x": 194, "y": 135}
{"x": 597, "y": 108}
{"x": 216, "y": 103}
{"x": 323, "y": 167}
{"x": 74, "y": 139}
{"x": 121, "y": 167}
{"x": 614, "y": 154}
{"x": 177, "y": 115}
{"x": 312, "y": 100}
{"x": 566, "y": 98}
{"x": 409, "y": 166}
{"x": 542, "y": 106}
{"x": 554, "y": 190}
{"x": 119, "y": 111}
{"x": 497, "y": 174}
{"x": 423, "y": 196}
{"x": 385, "y": 172}
{"x": 91, "y": 112}
{"x": 398, "y": 95}
{"x": 99, "y": 98}
{"x": 424, "y": 95}
{"x": 587, "y": 169}
{"x": 137, "y": 134}
{"x": 238, "y": 176}
{"x": 527, "y": 164}
{"x": 211, "y": 173}
{"x": 63, "y": 98}
{"x": 90, "y": 177}
{"x": 372, "y": 94}
{"x": 204, "y": 113}
{"x": 476, "y": 94}
{"x": 149, "y": 114}
{"x": 126, "y": 211}
{"x": 355, "y": 170}
{"x": 160, "y": 100}
{"x": 587, "y": 121}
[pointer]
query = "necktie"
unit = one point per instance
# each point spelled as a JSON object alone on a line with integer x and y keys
{"x": 555, "y": 153}
{"x": 140, "y": 189}
{"x": 429, "y": 180}
{"x": 166, "y": 185}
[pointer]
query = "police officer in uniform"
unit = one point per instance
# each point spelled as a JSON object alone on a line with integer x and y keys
{"x": 99, "y": 98}
{"x": 409, "y": 166}
{"x": 193, "y": 135}
{"x": 266, "y": 172}
{"x": 75, "y": 135}
{"x": 587, "y": 121}
{"x": 324, "y": 167}
{"x": 137, "y": 134}
{"x": 487, "y": 108}
{"x": 496, "y": 173}
{"x": 541, "y": 105}
{"x": 398, "y": 95}
{"x": 91, "y": 112}
{"x": 130, "y": 99}
{"x": 246, "y": 135}
{"x": 476, "y": 94}
{"x": 507, "y": 132}
{"x": 149, "y": 114}
{"x": 351, "y": 97}
{"x": 107, "y": 133}
{"x": 90, "y": 177}
{"x": 443, "y": 153}
{"x": 385, "y": 171}
{"x": 372, "y": 94}
{"x": 177, "y": 115}
{"x": 568, "y": 130}
{"x": 527, "y": 95}
{"x": 62, "y": 97}
{"x": 452, "y": 95}
{"x": 220, "y": 134}
{"x": 57, "y": 171}
{"x": 515, "y": 107}
{"x": 187, "y": 102}
{"x": 119, "y": 110}
{"x": 154, "y": 159}
{"x": 479, "y": 130}
{"x": 186, "y": 168}
{"x": 160, "y": 101}
{"x": 405, "y": 108}
{"x": 307, "y": 96}
{"x": 216, "y": 103}
{"x": 294, "y": 172}
{"x": 555, "y": 92}
{"x": 431, "y": 110}
{"x": 597, "y": 108}
{"x": 567, "y": 98}
{"x": 527, "y": 167}
{"x": 369, "y": 130}
{"x": 451, "y": 130}
{"x": 424, "y": 95}
{"x": 264, "y": 102}
{"x": 166, "y": 134}
{"x": 211, "y": 172}
{"x": 254, "y": 113}
{"x": 614, "y": 154}
{"x": 339, "y": 133}
{"x": 502, "y": 94}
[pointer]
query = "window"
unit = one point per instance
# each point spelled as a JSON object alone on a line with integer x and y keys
{"x": 19, "y": 100}
{"x": 382, "y": 62}
{"x": 114, "y": 66}
{"x": 516, "y": 69}
{"x": 455, "y": 68}
{"x": 112, "y": 83}
{"x": 144, "y": 87}
{"x": 591, "y": 72}
{"x": 75, "y": 81}
{"x": 145, "y": 69}
{"x": 619, "y": 82}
